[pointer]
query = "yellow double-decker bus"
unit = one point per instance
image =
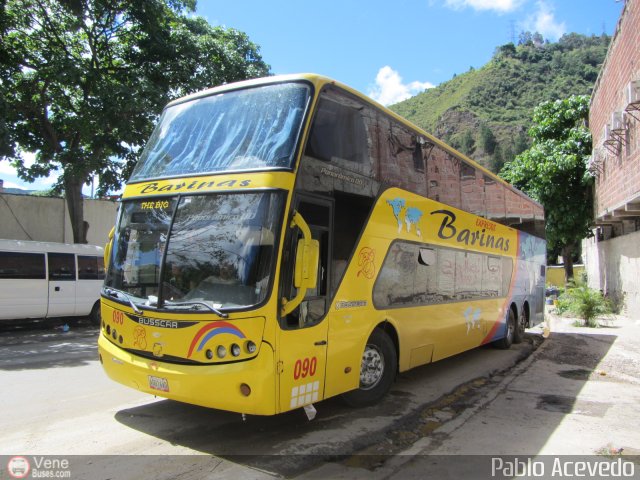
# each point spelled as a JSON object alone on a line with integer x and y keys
{"x": 285, "y": 240}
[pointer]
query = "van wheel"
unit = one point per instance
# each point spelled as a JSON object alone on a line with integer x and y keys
{"x": 377, "y": 371}
{"x": 505, "y": 342}
{"x": 95, "y": 316}
{"x": 518, "y": 334}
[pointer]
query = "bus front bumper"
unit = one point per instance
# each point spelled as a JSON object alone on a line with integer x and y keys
{"x": 213, "y": 386}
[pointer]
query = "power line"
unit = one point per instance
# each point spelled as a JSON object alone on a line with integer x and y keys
{"x": 512, "y": 31}
{"x": 14, "y": 216}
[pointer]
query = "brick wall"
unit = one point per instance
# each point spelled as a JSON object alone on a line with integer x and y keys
{"x": 618, "y": 178}
{"x": 613, "y": 263}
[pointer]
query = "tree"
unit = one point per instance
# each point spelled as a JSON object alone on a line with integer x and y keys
{"x": 554, "y": 172}
{"x": 467, "y": 142}
{"x": 525, "y": 38}
{"x": 497, "y": 160}
{"x": 488, "y": 140}
{"x": 82, "y": 82}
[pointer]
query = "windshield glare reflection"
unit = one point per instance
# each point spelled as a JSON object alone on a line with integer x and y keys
{"x": 237, "y": 130}
{"x": 220, "y": 249}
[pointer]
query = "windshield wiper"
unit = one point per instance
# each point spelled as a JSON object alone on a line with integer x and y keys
{"x": 195, "y": 304}
{"x": 118, "y": 294}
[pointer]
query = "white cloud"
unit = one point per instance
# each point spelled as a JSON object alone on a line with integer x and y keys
{"x": 500, "y": 6}
{"x": 6, "y": 168}
{"x": 10, "y": 176}
{"x": 544, "y": 22}
{"x": 7, "y": 184}
{"x": 389, "y": 88}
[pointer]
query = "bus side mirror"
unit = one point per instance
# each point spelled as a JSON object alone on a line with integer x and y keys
{"x": 107, "y": 248}
{"x": 306, "y": 269}
{"x": 305, "y": 273}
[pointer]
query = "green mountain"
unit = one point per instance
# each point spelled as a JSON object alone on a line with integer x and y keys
{"x": 485, "y": 113}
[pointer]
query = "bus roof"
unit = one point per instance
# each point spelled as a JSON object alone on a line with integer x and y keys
{"x": 320, "y": 81}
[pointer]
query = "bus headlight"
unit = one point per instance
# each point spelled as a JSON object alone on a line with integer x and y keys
{"x": 221, "y": 351}
{"x": 235, "y": 350}
{"x": 251, "y": 347}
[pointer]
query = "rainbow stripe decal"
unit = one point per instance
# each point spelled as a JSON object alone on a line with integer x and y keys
{"x": 209, "y": 331}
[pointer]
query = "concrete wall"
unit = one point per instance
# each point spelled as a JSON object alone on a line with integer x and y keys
{"x": 28, "y": 217}
{"x": 613, "y": 266}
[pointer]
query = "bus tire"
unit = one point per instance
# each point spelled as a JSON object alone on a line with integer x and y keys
{"x": 505, "y": 342}
{"x": 521, "y": 325}
{"x": 95, "y": 316}
{"x": 377, "y": 371}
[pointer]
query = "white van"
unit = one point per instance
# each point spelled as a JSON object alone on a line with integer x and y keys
{"x": 47, "y": 279}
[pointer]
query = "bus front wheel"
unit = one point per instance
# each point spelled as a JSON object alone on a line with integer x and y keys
{"x": 95, "y": 316}
{"x": 377, "y": 371}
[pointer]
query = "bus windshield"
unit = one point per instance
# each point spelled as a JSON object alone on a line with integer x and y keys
{"x": 219, "y": 249}
{"x": 253, "y": 128}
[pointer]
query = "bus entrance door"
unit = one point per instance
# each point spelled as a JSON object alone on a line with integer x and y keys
{"x": 303, "y": 336}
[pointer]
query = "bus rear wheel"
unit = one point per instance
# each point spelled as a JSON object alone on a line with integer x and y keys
{"x": 518, "y": 334}
{"x": 377, "y": 371}
{"x": 505, "y": 342}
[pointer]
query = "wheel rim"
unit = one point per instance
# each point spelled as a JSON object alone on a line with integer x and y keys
{"x": 372, "y": 367}
{"x": 522, "y": 322}
{"x": 511, "y": 326}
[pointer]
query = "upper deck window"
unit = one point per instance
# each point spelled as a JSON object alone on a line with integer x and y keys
{"x": 254, "y": 128}
{"x": 338, "y": 133}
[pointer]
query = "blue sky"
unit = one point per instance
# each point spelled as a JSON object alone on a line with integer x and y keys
{"x": 390, "y": 49}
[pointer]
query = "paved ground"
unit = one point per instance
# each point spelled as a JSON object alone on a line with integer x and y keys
{"x": 577, "y": 394}
{"x": 56, "y": 400}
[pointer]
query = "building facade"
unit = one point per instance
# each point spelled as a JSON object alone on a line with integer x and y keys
{"x": 612, "y": 256}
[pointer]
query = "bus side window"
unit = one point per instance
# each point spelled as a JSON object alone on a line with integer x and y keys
{"x": 494, "y": 200}
{"x": 402, "y": 162}
{"x": 443, "y": 177}
{"x": 62, "y": 266}
{"x": 423, "y": 274}
{"x": 340, "y": 133}
{"x": 472, "y": 189}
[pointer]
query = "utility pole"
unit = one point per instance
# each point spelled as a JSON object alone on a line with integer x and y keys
{"x": 512, "y": 31}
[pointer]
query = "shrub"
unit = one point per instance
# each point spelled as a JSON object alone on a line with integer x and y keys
{"x": 584, "y": 302}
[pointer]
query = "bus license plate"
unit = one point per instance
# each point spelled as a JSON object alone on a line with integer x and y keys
{"x": 158, "y": 383}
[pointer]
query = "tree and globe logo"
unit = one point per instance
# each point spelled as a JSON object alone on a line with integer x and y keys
{"x": 18, "y": 467}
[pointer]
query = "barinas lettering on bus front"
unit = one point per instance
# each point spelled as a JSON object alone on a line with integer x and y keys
{"x": 195, "y": 185}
